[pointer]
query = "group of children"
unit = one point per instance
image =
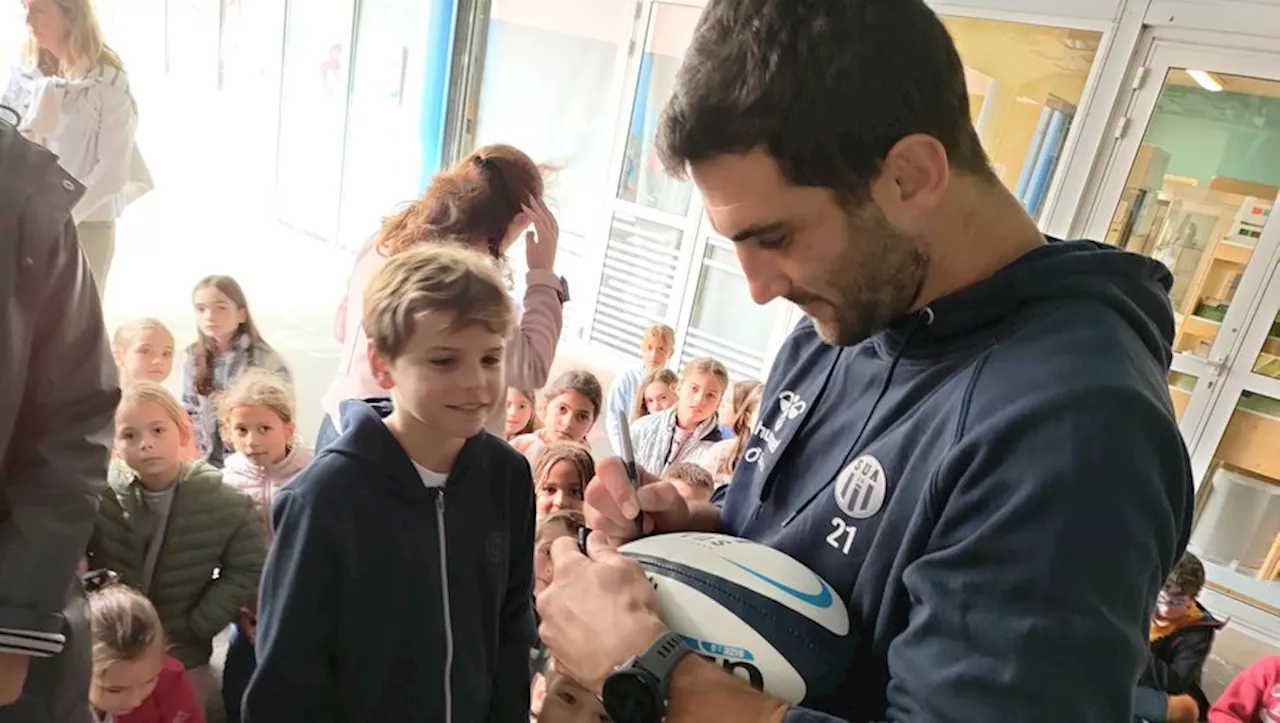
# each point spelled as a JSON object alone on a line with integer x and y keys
{"x": 183, "y": 526}
{"x": 180, "y": 549}
{"x": 198, "y": 486}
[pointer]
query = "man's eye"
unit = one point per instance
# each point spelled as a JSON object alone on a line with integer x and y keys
{"x": 772, "y": 243}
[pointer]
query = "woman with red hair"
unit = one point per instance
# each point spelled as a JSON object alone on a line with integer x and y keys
{"x": 485, "y": 201}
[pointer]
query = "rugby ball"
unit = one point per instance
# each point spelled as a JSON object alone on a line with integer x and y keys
{"x": 753, "y": 610}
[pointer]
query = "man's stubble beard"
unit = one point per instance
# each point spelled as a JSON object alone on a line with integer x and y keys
{"x": 875, "y": 278}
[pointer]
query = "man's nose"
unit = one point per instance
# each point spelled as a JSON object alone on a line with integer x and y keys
{"x": 763, "y": 278}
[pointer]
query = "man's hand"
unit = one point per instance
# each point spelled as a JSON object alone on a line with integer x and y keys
{"x": 13, "y": 675}
{"x": 598, "y": 612}
{"x": 611, "y": 504}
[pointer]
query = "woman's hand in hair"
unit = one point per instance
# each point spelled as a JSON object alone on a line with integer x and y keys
{"x": 540, "y": 243}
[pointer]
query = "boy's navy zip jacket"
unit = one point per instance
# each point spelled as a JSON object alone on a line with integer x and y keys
{"x": 996, "y": 486}
{"x": 384, "y": 600}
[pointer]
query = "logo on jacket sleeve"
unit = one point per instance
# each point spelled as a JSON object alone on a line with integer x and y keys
{"x": 860, "y": 488}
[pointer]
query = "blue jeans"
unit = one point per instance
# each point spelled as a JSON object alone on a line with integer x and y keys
{"x": 327, "y": 434}
{"x": 236, "y": 671}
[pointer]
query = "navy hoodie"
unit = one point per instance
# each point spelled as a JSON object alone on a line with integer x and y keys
{"x": 996, "y": 485}
{"x": 383, "y": 600}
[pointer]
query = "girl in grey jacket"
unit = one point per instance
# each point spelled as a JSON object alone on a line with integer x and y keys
{"x": 687, "y": 431}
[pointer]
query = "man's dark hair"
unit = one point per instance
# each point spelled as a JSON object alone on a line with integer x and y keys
{"x": 1187, "y": 578}
{"x": 827, "y": 87}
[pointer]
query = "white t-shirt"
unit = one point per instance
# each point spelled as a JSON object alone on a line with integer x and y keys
{"x": 429, "y": 478}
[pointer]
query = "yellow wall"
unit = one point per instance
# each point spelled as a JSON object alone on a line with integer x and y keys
{"x": 1027, "y": 63}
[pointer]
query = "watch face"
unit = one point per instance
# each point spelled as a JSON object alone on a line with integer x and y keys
{"x": 630, "y": 699}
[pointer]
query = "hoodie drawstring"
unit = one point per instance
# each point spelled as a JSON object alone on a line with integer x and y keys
{"x": 922, "y": 319}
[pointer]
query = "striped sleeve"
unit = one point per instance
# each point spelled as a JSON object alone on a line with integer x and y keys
{"x": 34, "y": 643}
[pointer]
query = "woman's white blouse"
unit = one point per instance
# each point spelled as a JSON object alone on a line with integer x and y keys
{"x": 89, "y": 123}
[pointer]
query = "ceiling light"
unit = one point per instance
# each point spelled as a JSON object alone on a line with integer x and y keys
{"x": 1206, "y": 81}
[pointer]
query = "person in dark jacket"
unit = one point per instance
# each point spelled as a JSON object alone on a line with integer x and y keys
{"x": 1181, "y": 636}
{"x": 970, "y": 438}
{"x": 58, "y": 393}
{"x": 399, "y": 586}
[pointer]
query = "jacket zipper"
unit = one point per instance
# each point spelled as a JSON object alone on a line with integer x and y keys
{"x": 448, "y": 618}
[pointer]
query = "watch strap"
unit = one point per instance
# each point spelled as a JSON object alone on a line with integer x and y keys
{"x": 662, "y": 657}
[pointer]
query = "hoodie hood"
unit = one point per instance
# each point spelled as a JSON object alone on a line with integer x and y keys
{"x": 1134, "y": 286}
{"x": 365, "y": 437}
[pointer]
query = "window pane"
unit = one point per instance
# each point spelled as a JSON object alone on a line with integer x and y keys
{"x": 637, "y": 285}
{"x": 1025, "y": 82}
{"x": 548, "y": 88}
{"x": 313, "y": 115}
{"x": 643, "y": 179}
{"x": 1268, "y": 362}
{"x": 724, "y": 312}
{"x": 1200, "y": 193}
{"x": 1238, "y": 525}
{"x": 384, "y": 143}
{"x": 1180, "y": 388}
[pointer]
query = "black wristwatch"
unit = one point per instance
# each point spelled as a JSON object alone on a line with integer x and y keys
{"x": 637, "y": 691}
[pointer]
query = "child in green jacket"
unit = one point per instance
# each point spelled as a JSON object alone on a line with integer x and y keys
{"x": 174, "y": 531}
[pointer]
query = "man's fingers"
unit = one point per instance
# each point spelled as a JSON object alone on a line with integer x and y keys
{"x": 599, "y": 548}
{"x": 565, "y": 554}
{"x": 611, "y": 494}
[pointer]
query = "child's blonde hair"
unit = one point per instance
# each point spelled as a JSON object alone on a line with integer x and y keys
{"x": 743, "y": 413}
{"x": 576, "y": 455}
{"x": 707, "y": 365}
{"x": 666, "y": 376}
{"x": 434, "y": 278}
{"x": 258, "y": 386}
{"x": 573, "y": 520}
{"x": 691, "y": 474}
{"x": 153, "y": 393}
{"x": 124, "y": 625}
{"x": 133, "y": 328}
{"x": 658, "y": 334}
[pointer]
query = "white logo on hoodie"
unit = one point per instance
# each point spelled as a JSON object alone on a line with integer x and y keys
{"x": 860, "y": 488}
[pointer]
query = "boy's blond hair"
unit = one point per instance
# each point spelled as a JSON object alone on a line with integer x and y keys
{"x": 659, "y": 333}
{"x": 131, "y": 329}
{"x": 153, "y": 393}
{"x": 690, "y": 474}
{"x": 258, "y": 386}
{"x": 572, "y": 520}
{"x": 434, "y": 278}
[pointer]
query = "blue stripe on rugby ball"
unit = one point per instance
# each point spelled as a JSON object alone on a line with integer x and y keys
{"x": 817, "y": 654}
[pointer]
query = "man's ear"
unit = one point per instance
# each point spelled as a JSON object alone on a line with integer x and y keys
{"x": 380, "y": 366}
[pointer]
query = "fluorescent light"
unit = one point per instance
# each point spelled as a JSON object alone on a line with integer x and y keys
{"x": 1206, "y": 81}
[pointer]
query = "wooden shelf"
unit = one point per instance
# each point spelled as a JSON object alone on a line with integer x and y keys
{"x": 1200, "y": 327}
{"x": 1250, "y": 444}
{"x": 1232, "y": 252}
{"x": 1180, "y": 399}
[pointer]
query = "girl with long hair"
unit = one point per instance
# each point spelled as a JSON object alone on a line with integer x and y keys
{"x": 73, "y": 97}
{"x": 486, "y": 202}
{"x": 227, "y": 345}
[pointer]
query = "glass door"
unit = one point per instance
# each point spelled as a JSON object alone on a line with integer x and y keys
{"x": 313, "y": 114}
{"x": 1237, "y": 527}
{"x": 654, "y": 216}
{"x": 383, "y": 166}
{"x": 1194, "y": 189}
